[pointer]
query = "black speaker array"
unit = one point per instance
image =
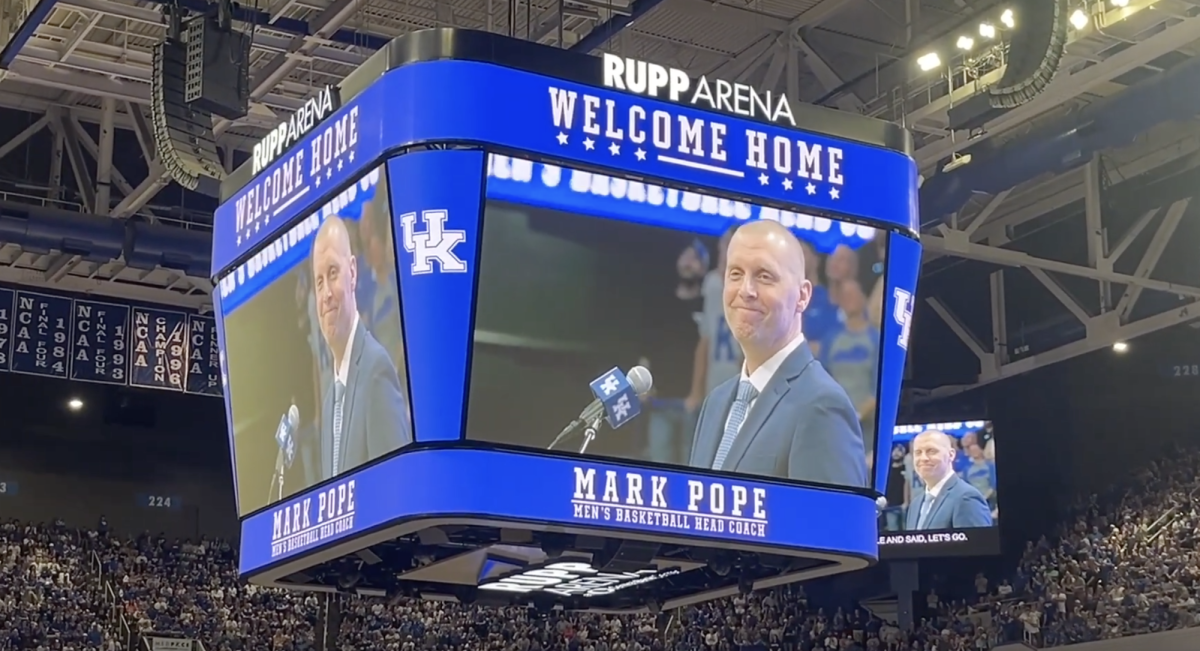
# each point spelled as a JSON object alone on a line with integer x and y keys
{"x": 201, "y": 73}
{"x": 1034, "y": 54}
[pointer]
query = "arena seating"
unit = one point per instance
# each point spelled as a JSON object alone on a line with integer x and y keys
{"x": 1125, "y": 564}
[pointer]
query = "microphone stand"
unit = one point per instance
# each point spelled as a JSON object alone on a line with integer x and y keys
{"x": 274, "y": 495}
{"x": 589, "y": 433}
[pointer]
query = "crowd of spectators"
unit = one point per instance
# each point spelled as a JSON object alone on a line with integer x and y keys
{"x": 1126, "y": 563}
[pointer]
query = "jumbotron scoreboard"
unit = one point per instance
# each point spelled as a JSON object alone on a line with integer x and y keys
{"x": 458, "y": 301}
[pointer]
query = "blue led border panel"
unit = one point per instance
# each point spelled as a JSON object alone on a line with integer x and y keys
{"x": 426, "y": 484}
{"x": 463, "y": 101}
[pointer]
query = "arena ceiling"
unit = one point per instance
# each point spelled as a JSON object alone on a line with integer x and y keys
{"x": 1080, "y": 250}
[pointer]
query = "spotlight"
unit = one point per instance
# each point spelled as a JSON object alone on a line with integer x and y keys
{"x": 1078, "y": 19}
{"x": 1120, "y": 3}
{"x": 987, "y": 30}
{"x": 74, "y": 404}
{"x": 965, "y": 43}
{"x": 929, "y": 61}
{"x": 1007, "y": 19}
{"x": 1120, "y": 347}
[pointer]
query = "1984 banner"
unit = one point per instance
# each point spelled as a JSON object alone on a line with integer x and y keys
{"x": 56, "y": 335}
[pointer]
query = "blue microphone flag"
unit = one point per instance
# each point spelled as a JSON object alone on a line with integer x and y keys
{"x": 621, "y": 403}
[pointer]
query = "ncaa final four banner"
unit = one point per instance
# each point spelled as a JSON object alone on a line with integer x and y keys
{"x": 107, "y": 342}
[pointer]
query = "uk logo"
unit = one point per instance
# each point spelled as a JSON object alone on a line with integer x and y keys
{"x": 621, "y": 403}
{"x": 434, "y": 244}
{"x": 902, "y": 312}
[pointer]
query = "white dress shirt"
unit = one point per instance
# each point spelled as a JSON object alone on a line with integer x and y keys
{"x": 342, "y": 373}
{"x": 931, "y": 492}
{"x": 763, "y": 374}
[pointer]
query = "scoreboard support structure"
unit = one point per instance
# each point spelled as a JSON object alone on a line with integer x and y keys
{"x": 441, "y": 113}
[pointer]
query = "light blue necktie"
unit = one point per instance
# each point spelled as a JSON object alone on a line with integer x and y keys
{"x": 339, "y": 392}
{"x": 737, "y": 415}
{"x": 926, "y": 506}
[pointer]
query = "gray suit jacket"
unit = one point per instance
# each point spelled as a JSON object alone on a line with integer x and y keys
{"x": 375, "y": 417}
{"x": 958, "y": 505}
{"x": 802, "y": 427}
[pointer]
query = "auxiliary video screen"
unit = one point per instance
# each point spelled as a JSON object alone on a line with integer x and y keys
{"x": 941, "y": 491}
{"x": 565, "y": 297}
{"x": 314, "y": 349}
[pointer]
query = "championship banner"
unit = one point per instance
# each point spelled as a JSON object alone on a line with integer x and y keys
{"x": 107, "y": 342}
{"x": 159, "y": 348}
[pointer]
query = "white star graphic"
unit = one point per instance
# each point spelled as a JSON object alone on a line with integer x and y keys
{"x": 834, "y": 194}
{"x": 329, "y": 173}
{"x": 641, "y": 155}
{"x": 787, "y": 184}
{"x": 810, "y": 188}
{"x": 589, "y": 144}
{"x": 615, "y": 149}
{"x": 351, "y": 157}
{"x": 317, "y": 180}
{"x": 239, "y": 240}
{"x": 762, "y": 179}
{"x": 562, "y": 138}
{"x": 339, "y": 165}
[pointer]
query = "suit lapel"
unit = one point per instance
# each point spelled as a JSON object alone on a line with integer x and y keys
{"x": 714, "y": 427}
{"x": 912, "y": 514}
{"x": 940, "y": 500}
{"x": 793, "y": 366}
{"x": 348, "y": 410}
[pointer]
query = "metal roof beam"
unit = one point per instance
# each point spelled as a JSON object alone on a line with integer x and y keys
{"x": 91, "y": 115}
{"x": 1161, "y": 147}
{"x": 1064, "y": 296}
{"x": 747, "y": 60}
{"x": 727, "y": 12}
{"x": 83, "y": 176}
{"x": 280, "y": 66}
{"x": 145, "y": 191}
{"x": 1067, "y": 85}
{"x": 26, "y": 133}
{"x": 114, "y": 63}
{"x": 956, "y": 243}
{"x": 1102, "y": 332}
{"x": 93, "y": 149}
{"x": 826, "y": 76}
{"x": 264, "y": 37}
{"x": 1158, "y": 244}
{"x": 960, "y": 329}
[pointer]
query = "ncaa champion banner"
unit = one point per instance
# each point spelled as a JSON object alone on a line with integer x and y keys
{"x": 160, "y": 340}
{"x": 56, "y": 335}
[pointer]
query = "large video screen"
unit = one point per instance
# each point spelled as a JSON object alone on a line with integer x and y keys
{"x": 763, "y": 341}
{"x": 315, "y": 350}
{"x": 941, "y": 491}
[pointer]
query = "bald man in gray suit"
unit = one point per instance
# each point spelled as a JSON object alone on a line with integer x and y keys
{"x": 783, "y": 416}
{"x": 364, "y": 413}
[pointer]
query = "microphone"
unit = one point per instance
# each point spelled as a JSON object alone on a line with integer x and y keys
{"x": 618, "y": 399}
{"x": 285, "y": 438}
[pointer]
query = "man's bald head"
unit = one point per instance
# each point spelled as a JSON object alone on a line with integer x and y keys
{"x": 765, "y": 289}
{"x": 335, "y": 278}
{"x": 778, "y": 237}
{"x": 334, "y": 232}
{"x": 933, "y": 456}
